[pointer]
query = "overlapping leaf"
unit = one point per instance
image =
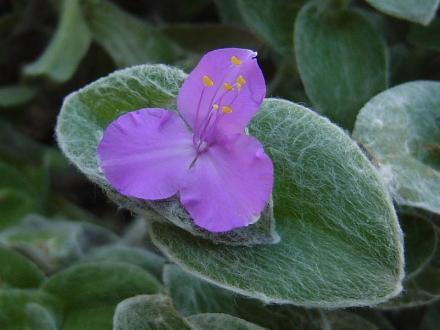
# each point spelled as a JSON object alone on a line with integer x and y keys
{"x": 340, "y": 241}
{"x": 413, "y": 10}
{"x": 339, "y": 73}
{"x": 400, "y": 131}
{"x": 67, "y": 47}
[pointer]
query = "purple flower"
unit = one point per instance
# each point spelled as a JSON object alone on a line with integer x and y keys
{"x": 222, "y": 176}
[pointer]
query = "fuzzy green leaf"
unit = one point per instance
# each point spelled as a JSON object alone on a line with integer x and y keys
{"x": 342, "y": 320}
{"x": 412, "y": 10}
{"x": 218, "y": 321}
{"x": 67, "y": 47}
{"x": 17, "y": 271}
{"x": 272, "y": 20}
{"x": 422, "y": 287}
{"x": 86, "y": 113}
{"x": 145, "y": 259}
{"x": 55, "y": 243}
{"x": 106, "y": 283}
{"x": 27, "y": 309}
{"x": 338, "y": 71}
{"x": 12, "y": 96}
{"x": 89, "y": 318}
{"x": 196, "y": 296}
{"x": 280, "y": 317}
{"x": 17, "y": 149}
{"x": 127, "y": 40}
{"x": 400, "y": 131}
{"x": 91, "y": 291}
{"x": 340, "y": 244}
{"x": 40, "y": 318}
{"x": 148, "y": 312}
{"x": 419, "y": 290}
{"x": 12, "y": 178}
{"x": 14, "y": 205}
{"x": 420, "y": 242}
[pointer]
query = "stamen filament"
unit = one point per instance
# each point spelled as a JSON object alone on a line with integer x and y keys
{"x": 196, "y": 123}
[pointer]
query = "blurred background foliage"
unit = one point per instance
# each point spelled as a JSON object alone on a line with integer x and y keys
{"x": 51, "y": 217}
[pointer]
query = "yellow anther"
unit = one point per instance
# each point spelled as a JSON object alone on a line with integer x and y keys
{"x": 227, "y": 87}
{"x": 235, "y": 60}
{"x": 241, "y": 80}
{"x": 226, "y": 109}
{"x": 215, "y": 106}
{"x": 207, "y": 81}
{"x": 238, "y": 85}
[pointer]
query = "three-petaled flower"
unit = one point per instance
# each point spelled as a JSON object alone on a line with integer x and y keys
{"x": 222, "y": 176}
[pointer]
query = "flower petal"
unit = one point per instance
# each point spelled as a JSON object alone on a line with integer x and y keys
{"x": 229, "y": 185}
{"x": 205, "y": 86}
{"x": 145, "y": 153}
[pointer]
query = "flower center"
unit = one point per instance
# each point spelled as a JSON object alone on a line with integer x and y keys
{"x": 221, "y": 104}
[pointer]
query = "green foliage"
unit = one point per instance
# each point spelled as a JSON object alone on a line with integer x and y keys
{"x": 229, "y": 12}
{"x": 67, "y": 47}
{"x": 148, "y": 312}
{"x": 27, "y": 309}
{"x": 339, "y": 73}
{"x": 90, "y": 291}
{"x": 342, "y": 233}
{"x": 90, "y": 284}
{"x": 426, "y": 37}
{"x": 11, "y": 96}
{"x": 420, "y": 286}
{"x": 220, "y": 321}
{"x": 420, "y": 242}
{"x": 40, "y": 318}
{"x": 205, "y": 37}
{"x": 399, "y": 129}
{"x": 145, "y": 259}
{"x": 14, "y": 205}
{"x": 344, "y": 320}
{"x": 89, "y": 318}
{"x": 199, "y": 297}
{"x": 413, "y": 10}
{"x": 127, "y": 40}
{"x": 339, "y": 241}
{"x": 419, "y": 290}
{"x": 196, "y": 296}
{"x": 17, "y": 149}
{"x": 18, "y": 195}
{"x": 54, "y": 243}
{"x": 272, "y": 20}
{"x": 17, "y": 271}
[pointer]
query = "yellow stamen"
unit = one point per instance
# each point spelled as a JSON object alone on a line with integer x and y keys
{"x": 235, "y": 60}
{"x": 238, "y": 85}
{"x": 241, "y": 80}
{"x": 207, "y": 81}
{"x": 215, "y": 106}
{"x": 226, "y": 109}
{"x": 227, "y": 87}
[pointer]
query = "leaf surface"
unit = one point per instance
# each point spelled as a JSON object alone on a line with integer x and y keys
{"x": 340, "y": 244}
